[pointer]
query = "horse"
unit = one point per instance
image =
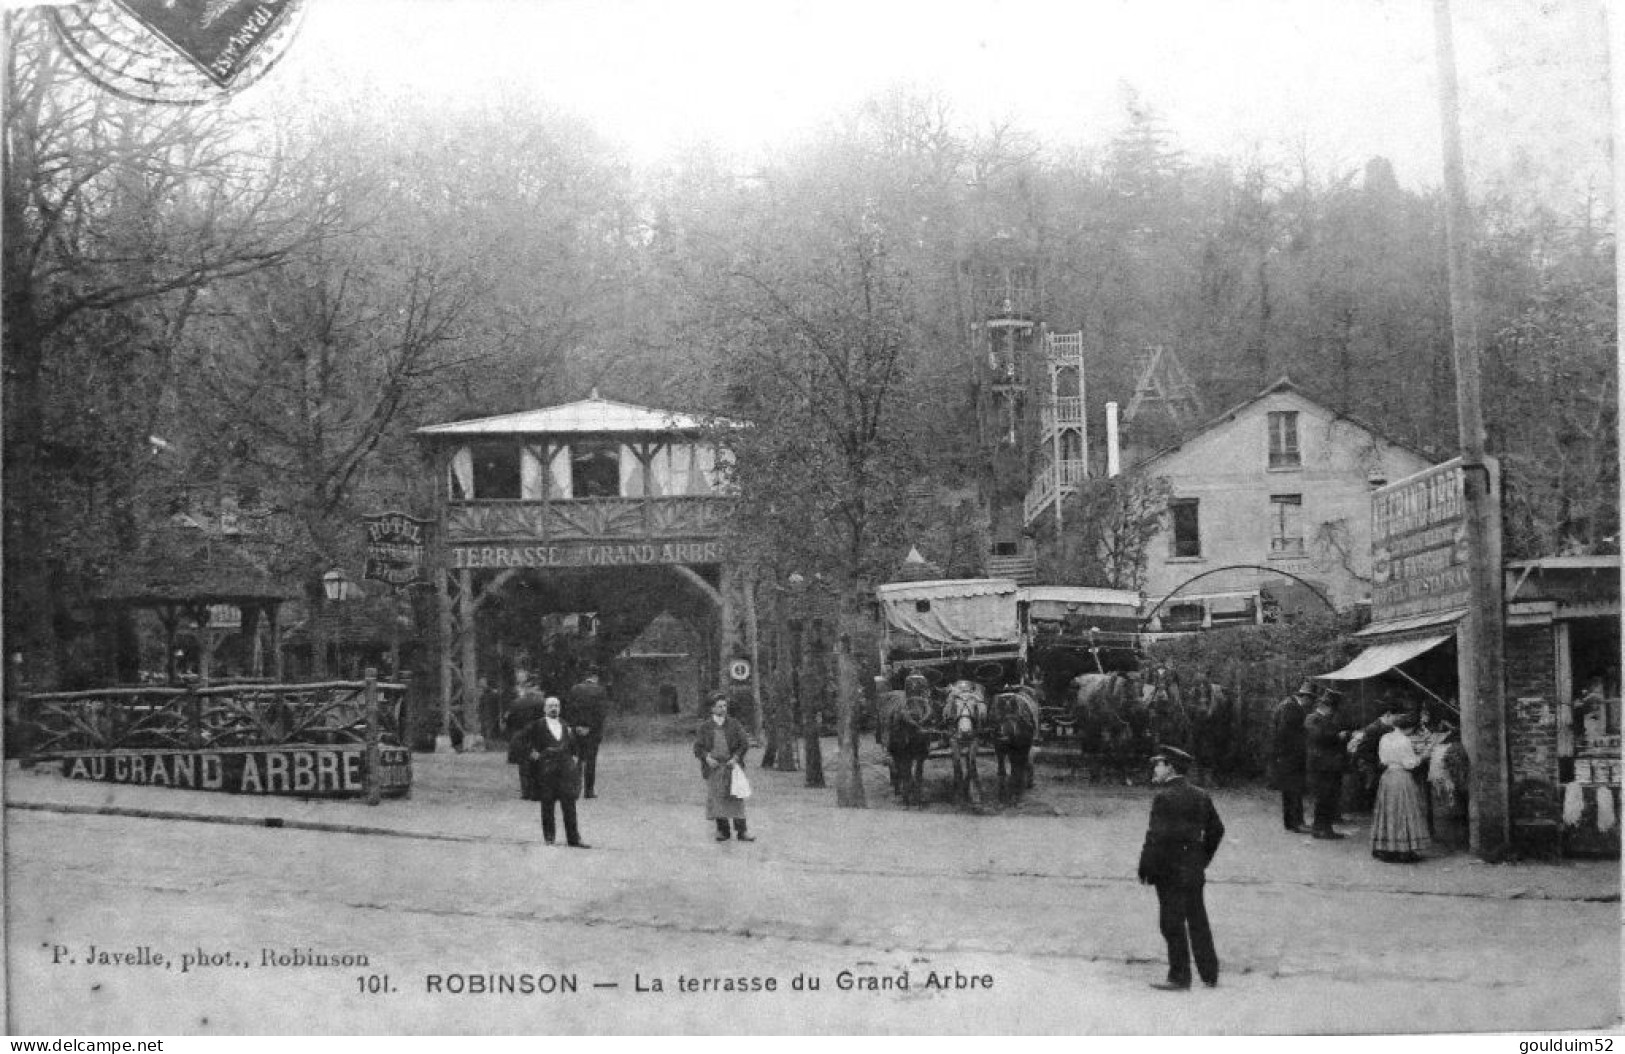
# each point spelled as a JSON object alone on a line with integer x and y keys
{"x": 964, "y": 711}
{"x": 1108, "y": 712}
{"x": 1167, "y": 719}
{"x": 904, "y": 718}
{"x": 1014, "y": 718}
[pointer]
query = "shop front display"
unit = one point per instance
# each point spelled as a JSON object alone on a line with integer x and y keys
{"x": 1563, "y": 697}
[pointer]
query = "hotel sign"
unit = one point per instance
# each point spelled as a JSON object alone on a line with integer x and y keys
{"x": 1419, "y": 543}
{"x": 395, "y": 548}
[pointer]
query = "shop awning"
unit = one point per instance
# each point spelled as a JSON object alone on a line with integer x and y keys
{"x": 1383, "y": 657}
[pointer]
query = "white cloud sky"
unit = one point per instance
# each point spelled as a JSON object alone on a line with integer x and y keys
{"x": 1342, "y": 79}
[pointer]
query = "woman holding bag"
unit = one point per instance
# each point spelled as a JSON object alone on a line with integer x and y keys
{"x": 720, "y": 745}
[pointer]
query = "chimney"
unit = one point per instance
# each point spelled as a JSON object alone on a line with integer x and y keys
{"x": 1113, "y": 466}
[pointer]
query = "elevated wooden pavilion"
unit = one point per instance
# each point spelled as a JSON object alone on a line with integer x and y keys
{"x": 589, "y": 491}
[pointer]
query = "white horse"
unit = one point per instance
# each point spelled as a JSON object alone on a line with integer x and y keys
{"x": 964, "y": 712}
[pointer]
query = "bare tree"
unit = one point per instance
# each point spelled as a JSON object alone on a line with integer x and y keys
{"x": 106, "y": 208}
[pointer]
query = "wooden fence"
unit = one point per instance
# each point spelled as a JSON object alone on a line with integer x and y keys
{"x": 221, "y": 717}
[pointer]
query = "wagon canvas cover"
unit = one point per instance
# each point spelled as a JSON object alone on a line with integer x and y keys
{"x": 953, "y": 614}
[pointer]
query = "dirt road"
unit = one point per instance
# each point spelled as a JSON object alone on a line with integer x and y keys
{"x": 908, "y": 921}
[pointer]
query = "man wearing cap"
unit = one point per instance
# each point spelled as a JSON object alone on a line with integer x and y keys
{"x": 1289, "y": 754}
{"x": 721, "y": 744}
{"x": 584, "y": 709}
{"x": 1184, "y": 834}
{"x": 1326, "y": 757}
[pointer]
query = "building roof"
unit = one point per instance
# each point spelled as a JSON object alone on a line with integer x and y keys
{"x": 182, "y": 565}
{"x": 590, "y": 416}
{"x": 1285, "y": 384}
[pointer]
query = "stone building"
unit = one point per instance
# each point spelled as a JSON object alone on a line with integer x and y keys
{"x": 1270, "y": 505}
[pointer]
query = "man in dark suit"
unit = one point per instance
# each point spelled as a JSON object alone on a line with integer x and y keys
{"x": 553, "y": 749}
{"x": 527, "y": 707}
{"x": 1326, "y": 756}
{"x": 1184, "y": 834}
{"x": 584, "y": 711}
{"x": 1289, "y": 754}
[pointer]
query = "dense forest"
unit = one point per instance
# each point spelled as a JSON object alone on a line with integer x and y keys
{"x": 198, "y": 309}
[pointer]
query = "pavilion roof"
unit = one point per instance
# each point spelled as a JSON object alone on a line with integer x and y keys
{"x": 591, "y": 416}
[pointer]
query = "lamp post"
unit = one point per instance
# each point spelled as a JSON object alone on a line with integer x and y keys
{"x": 337, "y": 588}
{"x": 336, "y": 584}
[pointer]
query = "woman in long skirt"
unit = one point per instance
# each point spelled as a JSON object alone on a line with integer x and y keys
{"x": 1399, "y": 825}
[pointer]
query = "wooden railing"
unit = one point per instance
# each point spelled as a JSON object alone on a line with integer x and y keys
{"x": 1067, "y": 411}
{"x": 1043, "y": 490}
{"x": 324, "y": 713}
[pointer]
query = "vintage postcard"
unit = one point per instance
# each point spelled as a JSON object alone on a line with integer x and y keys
{"x": 717, "y": 517}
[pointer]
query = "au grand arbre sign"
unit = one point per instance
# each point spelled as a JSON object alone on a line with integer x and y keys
{"x": 1419, "y": 553}
{"x": 338, "y": 771}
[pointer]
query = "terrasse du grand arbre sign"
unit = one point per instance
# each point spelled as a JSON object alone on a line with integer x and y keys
{"x": 1419, "y": 543}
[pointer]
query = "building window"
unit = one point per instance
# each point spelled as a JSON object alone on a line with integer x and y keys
{"x": 1284, "y": 439}
{"x": 1186, "y": 526}
{"x": 1286, "y": 524}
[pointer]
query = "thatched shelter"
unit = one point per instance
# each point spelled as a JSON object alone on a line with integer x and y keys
{"x": 181, "y": 572}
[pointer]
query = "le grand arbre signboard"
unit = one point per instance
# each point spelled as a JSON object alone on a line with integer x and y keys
{"x": 1419, "y": 556}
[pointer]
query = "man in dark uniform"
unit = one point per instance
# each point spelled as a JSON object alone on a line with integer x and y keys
{"x": 1326, "y": 757}
{"x": 584, "y": 710}
{"x": 1289, "y": 754}
{"x": 1185, "y": 833}
{"x": 553, "y": 753}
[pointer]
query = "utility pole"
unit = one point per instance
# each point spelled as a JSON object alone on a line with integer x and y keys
{"x": 1479, "y": 651}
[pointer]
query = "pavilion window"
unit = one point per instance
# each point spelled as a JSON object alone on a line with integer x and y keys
{"x": 496, "y": 472}
{"x": 634, "y": 477}
{"x": 713, "y": 471}
{"x": 532, "y": 476}
{"x": 595, "y": 470}
{"x": 669, "y": 470}
{"x": 460, "y": 475}
{"x": 559, "y": 486}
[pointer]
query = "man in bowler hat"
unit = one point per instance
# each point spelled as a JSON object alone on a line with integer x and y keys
{"x": 1184, "y": 834}
{"x": 1289, "y": 754}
